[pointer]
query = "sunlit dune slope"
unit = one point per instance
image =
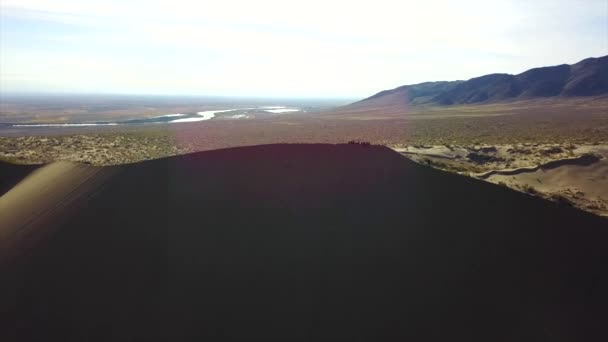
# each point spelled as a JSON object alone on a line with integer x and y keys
{"x": 301, "y": 242}
{"x": 11, "y": 174}
{"x": 35, "y": 207}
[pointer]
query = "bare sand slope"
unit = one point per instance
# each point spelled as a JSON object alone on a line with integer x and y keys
{"x": 576, "y": 175}
{"x": 11, "y": 174}
{"x": 581, "y": 161}
{"x": 305, "y": 242}
{"x": 577, "y": 179}
{"x": 36, "y": 204}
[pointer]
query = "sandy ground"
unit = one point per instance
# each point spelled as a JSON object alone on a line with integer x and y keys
{"x": 583, "y": 186}
{"x": 39, "y": 197}
{"x": 95, "y": 149}
{"x": 466, "y": 139}
{"x": 295, "y": 242}
{"x": 13, "y": 174}
{"x": 577, "y": 175}
{"x": 474, "y": 160}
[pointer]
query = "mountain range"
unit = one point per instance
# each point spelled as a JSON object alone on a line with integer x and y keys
{"x": 588, "y": 77}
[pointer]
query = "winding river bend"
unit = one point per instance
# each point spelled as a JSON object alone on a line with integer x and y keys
{"x": 169, "y": 118}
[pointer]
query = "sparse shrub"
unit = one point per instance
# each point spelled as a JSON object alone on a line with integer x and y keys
{"x": 359, "y": 142}
{"x": 596, "y": 206}
{"x": 530, "y": 189}
{"x": 8, "y": 159}
{"x": 559, "y": 198}
{"x": 489, "y": 149}
{"x": 441, "y": 165}
{"x": 552, "y": 150}
{"x": 479, "y": 158}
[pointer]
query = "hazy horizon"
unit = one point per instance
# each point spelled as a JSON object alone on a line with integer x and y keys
{"x": 51, "y": 93}
{"x": 283, "y": 49}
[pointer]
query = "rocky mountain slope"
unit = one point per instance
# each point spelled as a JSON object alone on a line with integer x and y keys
{"x": 588, "y": 77}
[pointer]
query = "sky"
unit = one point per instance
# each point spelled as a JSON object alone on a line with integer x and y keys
{"x": 273, "y": 48}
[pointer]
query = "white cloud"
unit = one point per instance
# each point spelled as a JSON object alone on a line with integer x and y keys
{"x": 271, "y": 47}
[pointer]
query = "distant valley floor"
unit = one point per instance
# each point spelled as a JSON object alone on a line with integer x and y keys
{"x": 465, "y": 139}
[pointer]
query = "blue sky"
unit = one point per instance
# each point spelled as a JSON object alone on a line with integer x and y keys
{"x": 271, "y": 48}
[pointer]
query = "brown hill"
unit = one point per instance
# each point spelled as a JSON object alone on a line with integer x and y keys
{"x": 588, "y": 77}
{"x": 295, "y": 242}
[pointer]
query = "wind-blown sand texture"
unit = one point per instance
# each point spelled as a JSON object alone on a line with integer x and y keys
{"x": 579, "y": 181}
{"x": 43, "y": 197}
{"x": 574, "y": 175}
{"x": 13, "y": 174}
{"x": 299, "y": 242}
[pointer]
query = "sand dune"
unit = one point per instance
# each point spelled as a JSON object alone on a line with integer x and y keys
{"x": 297, "y": 242}
{"x": 32, "y": 208}
{"x": 584, "y": 160}
{"x": 13, "y": 174}
{"x": 584, "y": 183}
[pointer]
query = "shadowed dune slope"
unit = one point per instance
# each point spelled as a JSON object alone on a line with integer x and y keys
{"x": 306, "y": 243}
{"x": 11, "y": 174}
{"x": 33, "y": 209}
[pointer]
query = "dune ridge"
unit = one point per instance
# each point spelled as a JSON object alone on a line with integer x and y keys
{"x": 13, "y": 174}
{"x": 584, "y": 160}
{"x": 27, "y": 208}
{"x": 303, "y": 242}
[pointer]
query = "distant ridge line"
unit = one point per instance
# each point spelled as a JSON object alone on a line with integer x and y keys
{"x": 588, "y": 77}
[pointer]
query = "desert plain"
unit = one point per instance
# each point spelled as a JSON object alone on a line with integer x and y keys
{"x": 515, "y": 139}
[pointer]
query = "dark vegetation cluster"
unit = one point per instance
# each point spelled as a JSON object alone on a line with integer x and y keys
{"x": 359, "y": 142}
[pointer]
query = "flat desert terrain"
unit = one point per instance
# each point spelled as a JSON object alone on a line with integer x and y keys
{"x": 478, "y": 139}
